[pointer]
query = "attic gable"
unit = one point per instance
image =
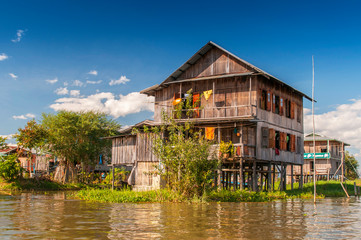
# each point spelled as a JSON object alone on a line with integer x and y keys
{"x": 214, "y": 62}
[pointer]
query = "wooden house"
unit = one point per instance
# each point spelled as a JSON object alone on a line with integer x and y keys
{"x": 329, "y": 157}
{"x": 260, "y": 114}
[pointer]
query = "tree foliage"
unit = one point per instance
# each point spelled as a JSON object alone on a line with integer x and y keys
{"x": 76, "y": 136}
{"x": 351, "y": 166}
{"x": 32, "y": 136}
{"x": 2, "y": 142}
{"x": 187, "y": 162}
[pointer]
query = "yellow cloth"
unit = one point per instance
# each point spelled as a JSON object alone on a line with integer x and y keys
{"x": 207, "y": 94}
{"x": 210, "y": 133}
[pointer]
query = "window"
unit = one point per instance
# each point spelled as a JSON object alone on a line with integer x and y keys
{"x": 298, "y": 150}
{"x": 299, "y": 113}
{"x": 277, "y": 104}
{"x": 288, "y": 140}
{"x": 288, "y": 108}
{"x": 277, "y": 140}
{"x": 324, "y": 150}
{"x": 311, "y": 166}
{"x": 265, "y": 133}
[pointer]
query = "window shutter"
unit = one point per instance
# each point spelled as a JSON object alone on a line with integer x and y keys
{"x": 293, "y": 143}
{"x": 292, "y": 110}
{"x": 260, "y": 98}
{"x": 281, "y": 106}
{"x": 273, "y": 103}
{"x": 271, "y": 138}
{"x": 245, "y": 149}
{"x": 269, "y": 99}
{"x": 282, "y": 141}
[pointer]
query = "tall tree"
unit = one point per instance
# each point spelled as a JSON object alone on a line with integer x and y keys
{"x": 2, "y": 142}
{"x": 352, "y": 166}
{"x": 75, "y": 137}
{"x": 32, "y": 136}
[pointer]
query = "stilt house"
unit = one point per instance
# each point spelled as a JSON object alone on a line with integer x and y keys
{"x": 329, "y": 157}
{"x": 260, "y": 114}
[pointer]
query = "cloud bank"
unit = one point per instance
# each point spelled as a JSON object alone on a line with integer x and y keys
{"x": 106, "y": 102}
{"x": 343, "y": 123}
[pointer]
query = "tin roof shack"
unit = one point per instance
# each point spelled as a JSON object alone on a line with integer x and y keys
{"x": 329, "y": 154}
{"x": 238, "y": 102}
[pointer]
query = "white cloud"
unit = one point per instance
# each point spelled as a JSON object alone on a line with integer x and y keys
{"x": 78, "y": 83}
{"x": 343, "y": 123}
{"x": 74, "y": 93}
{"x": 106, "y": 102}
{"x": 93, "y": 72}
{"x": 13, "y": 75}
{"x": 30, "y": 115}
{"x": 62, "y": 91}
{"x": 26, "y": 116}
{"x": 94, "y": 82}
{"x": 66, "y": 84}
{"x": 19, "y": 34}
{"x": 3, "y": 56}
{"x": 19, "y": 117}
{"x": 52, "y": 81}
{"x": 121, "y": 80}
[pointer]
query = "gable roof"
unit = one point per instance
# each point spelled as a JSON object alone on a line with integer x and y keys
{"x": 319, "y": 137}
{"x": 191, "y": 61}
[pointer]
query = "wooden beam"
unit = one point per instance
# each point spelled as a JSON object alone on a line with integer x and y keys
{"x": 241, "y": 180}
{"x": 254, "y": 176}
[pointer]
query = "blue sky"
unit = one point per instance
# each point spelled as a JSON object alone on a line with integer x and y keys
{"x": 140, "y": 43}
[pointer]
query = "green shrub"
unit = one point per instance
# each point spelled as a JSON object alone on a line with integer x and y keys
{"x": 10, "y": 168}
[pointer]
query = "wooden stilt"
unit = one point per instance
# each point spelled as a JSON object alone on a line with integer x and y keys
{"x": 254, "y": 176}
{"x": 291, "y": 176}
{"x": 301, "y": 178}
{"x": 274, "y": 176}
{"x": 241, "y": 180}
{"x": 269, "y": 177}
{"x": 285, "y": 176}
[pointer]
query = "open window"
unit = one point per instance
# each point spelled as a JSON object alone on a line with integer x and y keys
{"x": 288, "y": 142}
{"x": 277, "y": 140}
{"x": 277, "y": 104}
{"x": 311, "y": 166}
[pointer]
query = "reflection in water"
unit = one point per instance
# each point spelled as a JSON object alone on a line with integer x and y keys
{"x": 52, "y": 216}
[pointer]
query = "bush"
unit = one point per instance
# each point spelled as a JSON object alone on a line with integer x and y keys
{"x": 10, "y": 168}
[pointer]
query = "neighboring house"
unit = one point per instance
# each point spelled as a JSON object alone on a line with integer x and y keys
{"x": 259, "y": 113}
{"x": 8, "y": 150}
{"x": 329, "y": 154}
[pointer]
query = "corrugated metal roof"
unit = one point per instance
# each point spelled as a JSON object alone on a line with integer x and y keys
{"x": 318, "y": 137}
{"x": 198, "y": 55}
{"x": 128, "y": 130}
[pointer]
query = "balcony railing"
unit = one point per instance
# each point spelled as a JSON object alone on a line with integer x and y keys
{"x": 240, "y": 150}
{"x": 219, "y": 112}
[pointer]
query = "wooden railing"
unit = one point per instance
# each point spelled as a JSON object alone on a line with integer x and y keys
{"x": 240, "y": 150}
{"x": 219, "y": 112}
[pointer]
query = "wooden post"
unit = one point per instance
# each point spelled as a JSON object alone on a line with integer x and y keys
{"x": 274, "y": 176}
{"x": 261, "y": 181}
{"x": 241, "y": 180}
{"x": 342, "y": 162}
{"x": 291, "y": 176}
{"x": 254, "y": 176}
{"x": 355, "y": 188}
{"x": 269, "y": 177}
{"x": 301, "y": 178}
{"x": 113, "y": 176}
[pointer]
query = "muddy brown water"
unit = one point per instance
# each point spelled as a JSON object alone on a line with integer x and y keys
{"x": 53, "y": 216}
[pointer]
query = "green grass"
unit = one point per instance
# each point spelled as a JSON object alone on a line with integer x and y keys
{"x": 31, "y": 184}
{"x": 127, "y": 195}
{"x": 324, "y": 189}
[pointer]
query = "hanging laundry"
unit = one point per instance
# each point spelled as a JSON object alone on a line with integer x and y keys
{"x": 207, "y": 94}
{"x": 210, "y": 133}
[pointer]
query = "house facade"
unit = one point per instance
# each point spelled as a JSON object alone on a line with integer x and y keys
{"x": 238, "y": 102}
{"x": 329, "y": 157}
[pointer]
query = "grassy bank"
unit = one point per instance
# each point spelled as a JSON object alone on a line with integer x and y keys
{"x": 32, "y": 184}
{"x": 324, "y": 189}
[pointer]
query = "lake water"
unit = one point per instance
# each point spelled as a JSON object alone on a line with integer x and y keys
{"x": 53, "y": 216}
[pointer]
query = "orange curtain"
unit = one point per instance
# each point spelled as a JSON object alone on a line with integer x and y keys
{"x": 210, "y": 133}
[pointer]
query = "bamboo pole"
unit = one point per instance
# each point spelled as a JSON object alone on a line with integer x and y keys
{"x": 313, "y": 128}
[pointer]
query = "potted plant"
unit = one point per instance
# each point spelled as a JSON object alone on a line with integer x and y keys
{"x": 226, "y": 149}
